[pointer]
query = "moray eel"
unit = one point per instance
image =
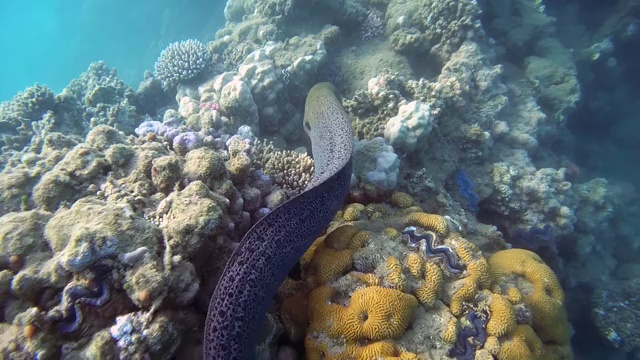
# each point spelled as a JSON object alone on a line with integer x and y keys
{"x": 276, "y": 242}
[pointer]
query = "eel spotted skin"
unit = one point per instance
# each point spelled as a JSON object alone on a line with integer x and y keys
{"x": 276, "y": 242}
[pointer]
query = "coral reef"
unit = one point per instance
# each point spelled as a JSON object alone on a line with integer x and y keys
{"x": 410, "y": 307}
{"x": 119, "y": 207}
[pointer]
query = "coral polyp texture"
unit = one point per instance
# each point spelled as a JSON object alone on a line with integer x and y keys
{"x": 182, "y": 61}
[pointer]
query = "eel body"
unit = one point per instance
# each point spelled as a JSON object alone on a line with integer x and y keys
{"x": 276, "y": 242}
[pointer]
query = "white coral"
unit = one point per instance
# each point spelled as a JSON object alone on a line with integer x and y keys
{"x": 412, "y": 125}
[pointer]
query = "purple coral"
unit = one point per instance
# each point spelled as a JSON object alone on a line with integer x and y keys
{"x": 148, "y": 127}
{"x": 187, "y": 141}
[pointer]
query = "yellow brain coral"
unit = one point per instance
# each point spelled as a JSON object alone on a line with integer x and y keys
{"x": 330, "y": 257}
{"x": 340, "y": 237}
{"x": 395, "y": 279}
{"x": 433, "y": 222}
{"x": 466, "y": 292}
{"x": 293, "y": 313}
{"x": 401, "y": 199}
{"x": 428, "y": 290}
{"x": 414, "y": 264}
{"x": 327, "y": 265}
{"x": 450, "y": 333}
{"x": 540, "y": 290}
{"x": 359, "y": 240}
{"x": 353, "y": 212}
{"x": 503, "y": 317}
{"x": 373, "y": 313}
{"x": 392, "y": 233}
{"x": 366, "y": 279}
{"x": 372, "y": 350}
{"x": 479, "y": 274}
{"x": 521, "y": 344}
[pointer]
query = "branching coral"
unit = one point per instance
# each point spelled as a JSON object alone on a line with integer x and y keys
{"x": 290, "y": 170}
{"x": 182, "y": 61}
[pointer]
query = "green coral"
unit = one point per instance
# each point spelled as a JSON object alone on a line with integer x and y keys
{"x": 190, "y": 217}
{"x": 92, "y": 229}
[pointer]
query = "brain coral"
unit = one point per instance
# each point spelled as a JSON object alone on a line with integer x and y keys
{"x": 540, "y": 290}
{"x": 373, "y": 313}
{"x": 182, "y": 61}
{"x": 384, "y": 298}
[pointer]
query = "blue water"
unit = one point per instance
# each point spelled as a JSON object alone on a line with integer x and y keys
{"x": 53, "y": 41}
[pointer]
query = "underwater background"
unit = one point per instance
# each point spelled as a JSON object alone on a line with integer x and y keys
{"x": 51, "y": 42}
{"x": 492, "y": 212}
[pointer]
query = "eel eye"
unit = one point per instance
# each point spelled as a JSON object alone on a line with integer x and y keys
{"x": 307, "y": 126}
